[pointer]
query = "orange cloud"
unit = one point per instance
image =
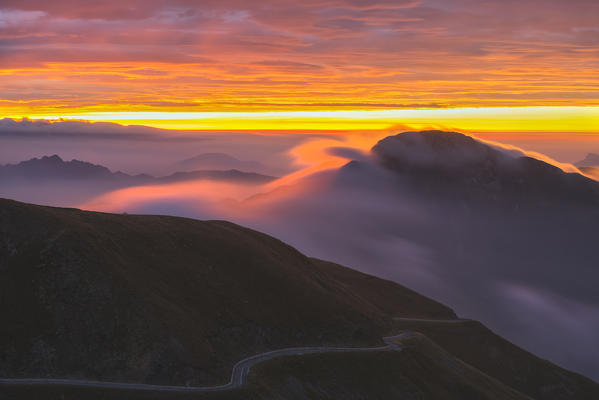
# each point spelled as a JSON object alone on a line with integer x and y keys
{"x": 204, "y": 196}
{"x": 70, "y": 57}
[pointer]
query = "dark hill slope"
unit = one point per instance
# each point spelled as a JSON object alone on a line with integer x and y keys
{"x": 422, "y": 370}
{"x": 162, "y": 299}
{"x": 475, "y": 344}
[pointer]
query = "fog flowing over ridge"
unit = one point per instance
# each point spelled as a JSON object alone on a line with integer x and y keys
{"x": 53, "y": 181}
{"x": 503, "y": 238}
{"x": 136, "y": 149}
{"x": 500, "y": 236}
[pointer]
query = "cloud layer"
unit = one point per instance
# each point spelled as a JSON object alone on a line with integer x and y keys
{"x": 480, "y": 226}
{"x": 499, "y": 236}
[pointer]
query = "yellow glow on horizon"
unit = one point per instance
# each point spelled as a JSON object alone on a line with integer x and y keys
{"x": 488, "y": 119}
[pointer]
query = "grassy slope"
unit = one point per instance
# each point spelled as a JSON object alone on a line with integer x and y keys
{"x": 169, "y": 300}
{"x": 473, "y": 343}
{"x": 422, "y": 370}
{"x": 164, "y": 299}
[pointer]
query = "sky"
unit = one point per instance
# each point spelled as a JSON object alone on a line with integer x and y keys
{"x": 311, "y": 65}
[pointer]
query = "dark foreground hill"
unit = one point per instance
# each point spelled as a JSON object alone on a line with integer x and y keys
{"x": 168, "y": 300}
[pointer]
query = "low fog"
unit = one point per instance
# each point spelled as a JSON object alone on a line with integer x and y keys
{"x": 530, "y": 274}
{"x": 498, "y": 235}
{"x": 140, "y": 149}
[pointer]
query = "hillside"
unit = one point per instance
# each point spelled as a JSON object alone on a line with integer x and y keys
{"x": 422, "y": 370}
{"x": 509, "y": 364}
{"x": 162, "y": 299}
{"x": 166, "y": 300}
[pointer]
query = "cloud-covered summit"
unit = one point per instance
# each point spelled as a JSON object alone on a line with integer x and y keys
{"x": 455, "y": 156}
{"x": 428, "y": 150}
{"x": 502, "y": 236}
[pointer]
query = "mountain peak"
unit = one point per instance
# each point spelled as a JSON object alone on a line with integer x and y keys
{"x": 55, "y": 158}
{"x": 591, "y": 160}
{"x": 54, "y": 167}
{"x": 212, "y": 155}
{"x": 438, "y": 150}
{"x": 220, "y": 161}
{"x": 451, "y": 160}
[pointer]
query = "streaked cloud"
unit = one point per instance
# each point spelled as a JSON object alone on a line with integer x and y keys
{"x": 65, "y": 57}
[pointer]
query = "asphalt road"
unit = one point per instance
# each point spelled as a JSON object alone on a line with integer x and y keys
{"x": 240, "y": 372}
{"x": 239, "y": 375}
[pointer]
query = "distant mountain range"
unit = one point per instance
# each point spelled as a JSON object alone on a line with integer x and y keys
{"x": 53, "y": 181}
{"x": 219, "y": 161}
{"x": 591, "y": 160}
{"x": 50, "y": 168}
{"x": 174, "y": 301}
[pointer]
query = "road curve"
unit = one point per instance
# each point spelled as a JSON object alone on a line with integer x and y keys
{"x": 239, "y": 374}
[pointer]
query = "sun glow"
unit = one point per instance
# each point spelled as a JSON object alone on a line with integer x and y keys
{"x": 488, "y": 119}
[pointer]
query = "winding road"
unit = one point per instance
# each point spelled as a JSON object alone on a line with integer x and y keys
{"x": 239, "y": 374}
{"x": 241, "y": 370}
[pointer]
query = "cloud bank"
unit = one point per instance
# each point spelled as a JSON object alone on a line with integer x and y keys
{"x": 484, "y": 227}
{"x": 498, "y": 235}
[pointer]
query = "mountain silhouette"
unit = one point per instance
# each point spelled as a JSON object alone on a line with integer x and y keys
{"x": 219, "y": 161}
{"x": 591, "y": 160}
{"x": 54, "y": 168}
{"x": 440, "y": 160}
